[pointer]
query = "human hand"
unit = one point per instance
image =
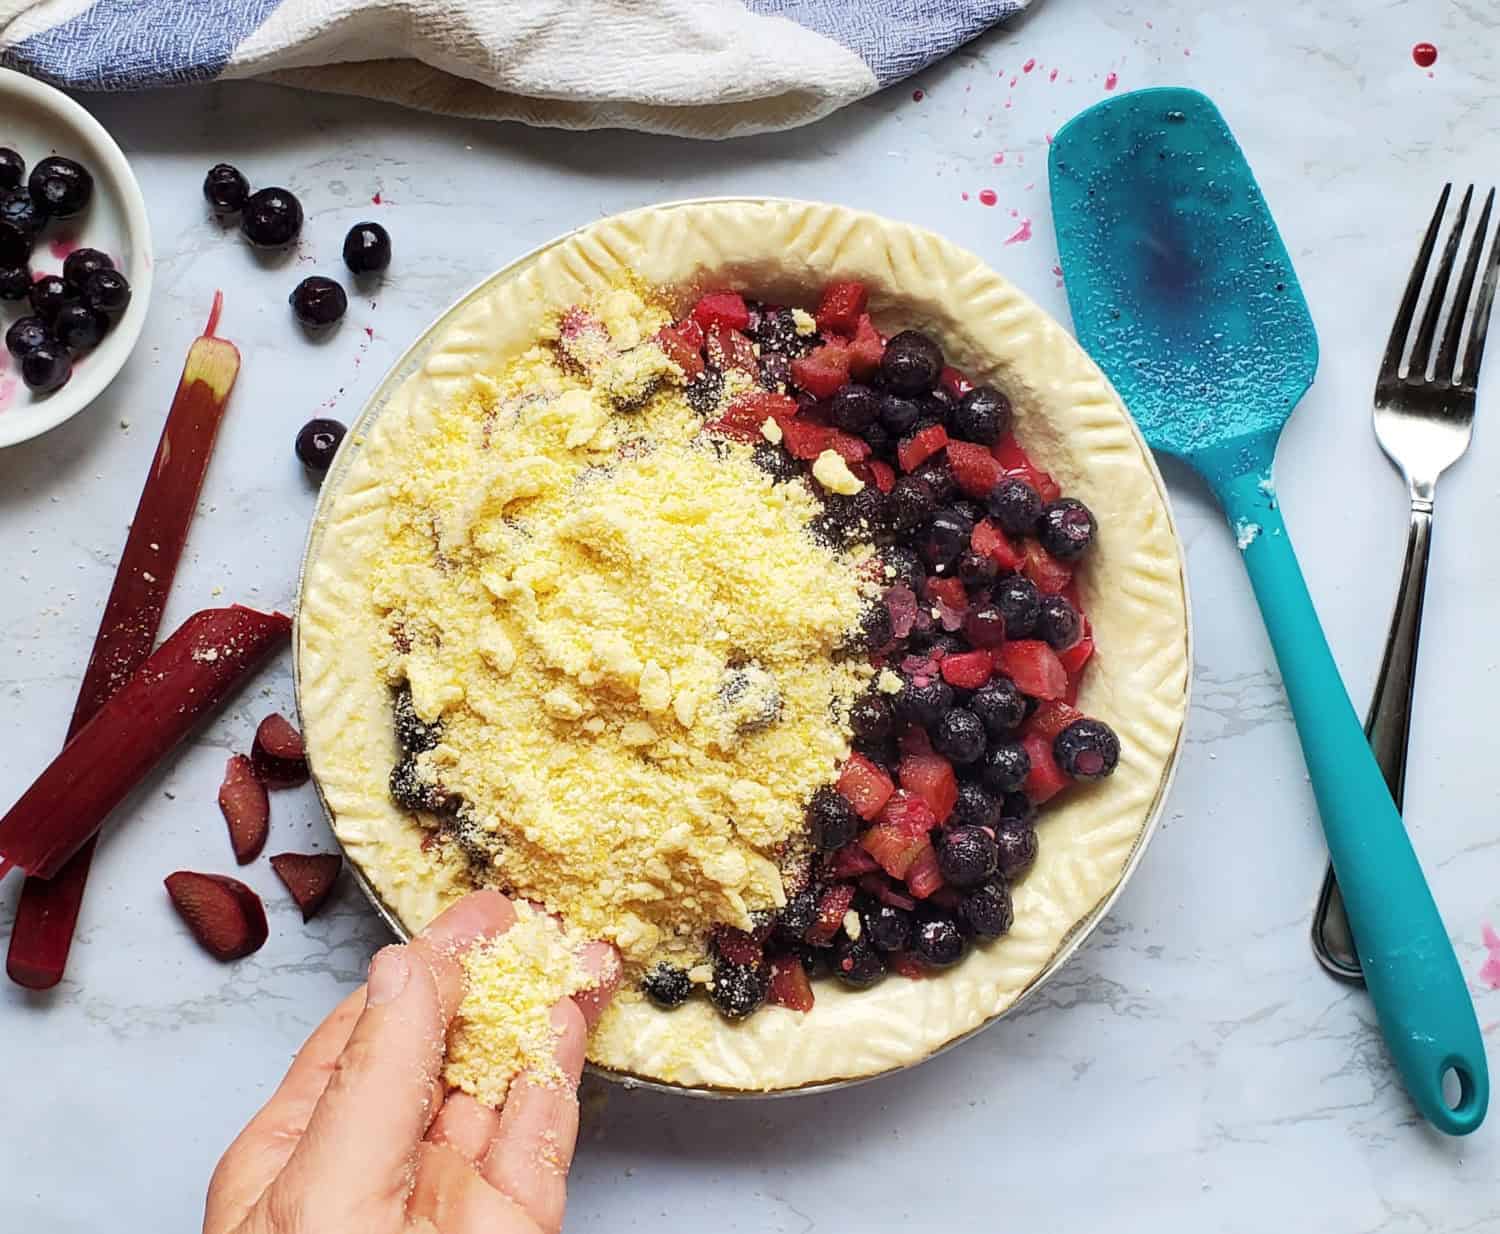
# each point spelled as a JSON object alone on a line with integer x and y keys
{"x": 362, "y": 1135}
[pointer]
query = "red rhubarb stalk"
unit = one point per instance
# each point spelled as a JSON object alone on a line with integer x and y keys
{"x": 184, "y": 678}
{"x": 47, "y": 911}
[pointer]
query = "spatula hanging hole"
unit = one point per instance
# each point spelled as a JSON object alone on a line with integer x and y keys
{"x": 1459, "y": 1089}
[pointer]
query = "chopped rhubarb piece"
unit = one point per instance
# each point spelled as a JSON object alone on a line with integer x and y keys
{"x": 974, "y": 468}
{"x": 804, "y": 438}
{"x": 1050, "y": 718}
{"x": 1076, "y": 656}
{"x": 1015, "y": 461}
{"x": 967, "y": 670}
{"x": 722, "y": 308}
{"x": 185, "y": 677}
{"x": 279, "y": 757}
{"x": 849, "y": 862}
{"x": 882, "y": 475}
{"x": 993, "y": 543}
{"x": 823, "y": 370}
{"x": 681, "y": 350}
{"x": 1033, "y": 666}
{"x": 931, "y": 777}
{"x": 922, "y": 876}
{"x": 840, "y": 307}
{"x": 866, "y": 349}
{"x": 949, "y": 592}
{"x": 909, "y": 812}
{"x": 865, "y": 785}
{"x": 726, "y": 428}
{"x": 915, "y": 740}
{"x": 850, "y": 448}
{"x": 582, "y": 340}
{"x": 904, "y": 964}
{"x": 747, "y": 412}
{"x": 881, "y": 887}
{"x": 310, "y": 877}
{"x": 737, "y": 946}
{"x": 833, "y": 903}
{"x": 1046, "y": 778}
{"x": 727, "y": 348}
{"x": 915, "y": 450}
{"x": 225, "y": 916}
{"x": 691, "y": 333}
{"x": 895, "y": 847}
{"x": 789, "y": 987}
{"x": 42, "y": 931}
{"x": 247, "y": 809}
{"x": 954, "y": 384}
{"x": 1043, "y": 569}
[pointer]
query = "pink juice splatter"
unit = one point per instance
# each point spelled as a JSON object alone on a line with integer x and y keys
{"x": 1029, "y": 65}
{"x": 1021, "y": 233}
{"x": 987, "y": 197}
{"x": 1111, "y": 80}
{"x": 917, "y": 96}
{"x": 1052, "y": 76}
{"x": 61, "y": 247}
{"x": 1424, "y": 55}
{"x": 1489, "y": 973}
{"x": 376, "y": 199}
{"x": 999, "y": 159}
{"x": 965, "y": 196}
{"x": 7, "y": 391}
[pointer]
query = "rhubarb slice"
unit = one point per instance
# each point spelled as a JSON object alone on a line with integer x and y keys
{"x": 47, "y": 911}
{"x": 310, "y": 877}
{"x": 225, "y": 916}
{"x": 247, "y": 809}
{"x": 278, "y": 755}
{"x": 183, "y": 679}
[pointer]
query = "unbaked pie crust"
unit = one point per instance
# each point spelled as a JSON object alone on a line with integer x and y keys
{"x": 1071, "y": 423}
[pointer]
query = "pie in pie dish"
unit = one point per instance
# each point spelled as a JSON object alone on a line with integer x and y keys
{"x": 737, "y": 579}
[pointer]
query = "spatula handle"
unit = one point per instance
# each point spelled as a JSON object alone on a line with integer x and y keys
{"x": 1413, "y": 976}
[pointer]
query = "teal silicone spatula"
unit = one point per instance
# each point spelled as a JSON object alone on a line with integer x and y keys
{"x": 1183, "y": 292}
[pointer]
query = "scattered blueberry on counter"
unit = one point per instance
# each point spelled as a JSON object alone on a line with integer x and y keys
{"x": 226, "y": 189}
{"x": 271, "y": 218}
{"x": 318, "y": 302}
{"x": 367, "y": 248}
{"x": 317, "y": 443}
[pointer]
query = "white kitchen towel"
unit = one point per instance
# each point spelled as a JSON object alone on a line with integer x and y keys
{"x": 700, "y": 68}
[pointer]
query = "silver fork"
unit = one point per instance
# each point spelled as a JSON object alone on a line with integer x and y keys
{"x": 1424, "y": 425}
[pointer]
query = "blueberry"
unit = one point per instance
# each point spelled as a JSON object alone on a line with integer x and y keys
{"x": 667, "y": 986}
{"x": 703, "y": 391}
{"x": 872, "y": 717}
{"x": 1006, "y": 766}
{"x": 26, "y": 334}
{"x": 226, "y": 188}
{"x": 971, "y": 510}
{"x": 1058, "y": 623}
{"x": 367, "y": 248}
{"x": 879, "y": 439}
{"x": 966, "y": 856}
{"x": 1014, "y": 505}
{"x": 984, "y": 625}
{"x": 987, "y": 912}
{"x": 959, "y": 737}
{"x": 938, "y": 407}
{"x": 872, "y": 633}
{"x": 78, "y": 328}
{"x": 946, "y": 537}
{"x": 81, "y": 263}
{"x": 831, "y": 820}
{"x": 857, "y": 963}
{"x": 49, "y": 294}
{"x": 107, "y": 292}
{"x": 937, "y": 940}
{"x": 12, "y": 169}
{"x": 854, "y": 408}
{"x": 412, "y": 732}
{"x": 938, "y": 475}
{"x": 1065, "y": 528}
{"x": 60, "y": 187}
{"x": 1016, "y": 845}
{"x": 776, "y": 331}
{"x": 20, "y": 220}
{"x": 816, "y": 961}
{"x": 974, "y": 807}
{"x": 999, "y": 705}
{"x": 982, "y": 415}
{"x": 46, "y": 368}
{"x": 870, "y": 516}
{"x": 775, "y": 462}
{"x": 977, "y": 570}
{"x": 898, "y": 414}
{"x": 411, "y": 790}
{"x": 1018, "y": 806}
{"x": 800, "y": 913}
{"x": 887, "y": 927}
{"x": 912, "y": 363}
{"x": 924, "y": 705}
{"x": 936, "y": 642}
{"x": 775, "y": 371}
{"x": 1087, "y": 749}
{"x": 902, "y": 565}
{"x": 317, "y": 442}
{"x": 1019, "y": 603}
{"x": 318, "y": 302}
{"x": 15, "y": 282}
{"x": 909, "y": 505}
{"x": 271, "y": 219}
{"x": 737, "y": 990}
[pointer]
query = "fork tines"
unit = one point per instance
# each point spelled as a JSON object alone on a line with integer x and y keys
{"x": 1445, "y": 369}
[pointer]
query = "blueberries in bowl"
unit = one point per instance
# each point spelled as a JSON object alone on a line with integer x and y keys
{"x": 60, "y": 187}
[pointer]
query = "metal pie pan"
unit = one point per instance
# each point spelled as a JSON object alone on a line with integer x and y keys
{"x": 409, "y": 362}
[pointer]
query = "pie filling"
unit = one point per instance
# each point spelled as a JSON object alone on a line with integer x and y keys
{"x": 747, "y": 641}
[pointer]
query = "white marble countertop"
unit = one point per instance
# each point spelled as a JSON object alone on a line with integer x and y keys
{"x": 1191, "y": 1068}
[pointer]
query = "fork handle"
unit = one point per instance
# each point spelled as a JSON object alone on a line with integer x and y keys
{"x": 1387, "y": 728}
{"x": 1414, "y": 980}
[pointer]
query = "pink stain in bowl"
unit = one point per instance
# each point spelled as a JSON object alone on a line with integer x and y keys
{"x": 1111, "y": 80}
{"x": 7, "y": 391}
{"x": 1021, "y": 233}
{"x": 1489, "y": 973}
{"x": 61, "y": 247}
{"x": 987, "y": 197}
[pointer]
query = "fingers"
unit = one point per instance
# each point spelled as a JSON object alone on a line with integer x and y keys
{"x": 453, "y": 1198}
{"x": 262, "y": 1148}
{"x": 465, "y": 1125}
{"x": 533, "y": 1148}
{"x": 384, "y": 1091}
{"x": 603, "y": 961}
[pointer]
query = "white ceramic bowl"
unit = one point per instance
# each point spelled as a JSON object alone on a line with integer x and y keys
{"x": 37, "y": 121}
